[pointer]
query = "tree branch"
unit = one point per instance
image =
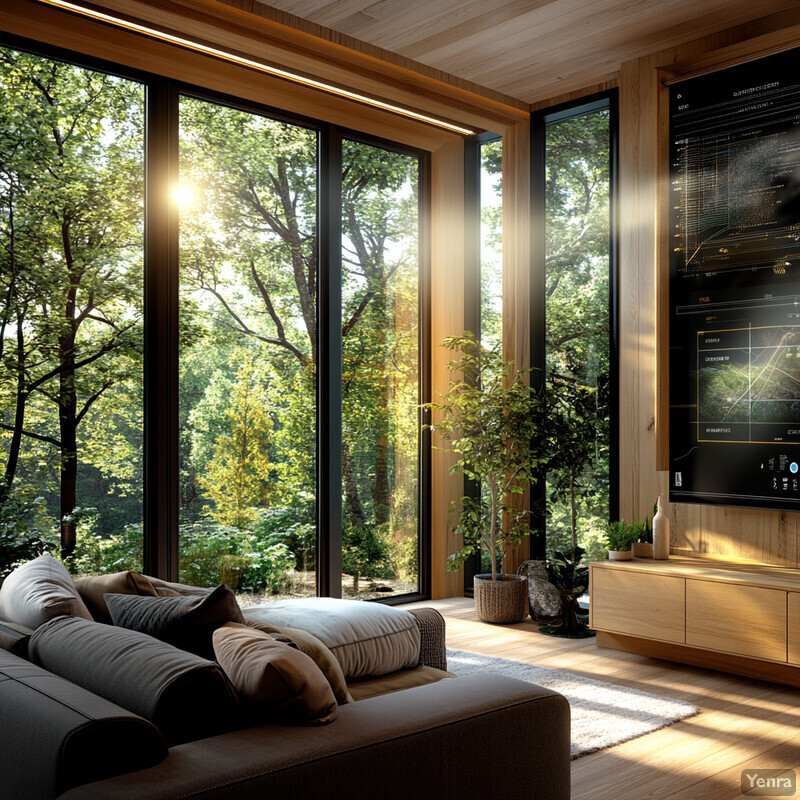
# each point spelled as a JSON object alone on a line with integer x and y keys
{"x": 32, "y": 435}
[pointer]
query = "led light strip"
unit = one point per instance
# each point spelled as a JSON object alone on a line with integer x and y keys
{"x": 246, "y": 62}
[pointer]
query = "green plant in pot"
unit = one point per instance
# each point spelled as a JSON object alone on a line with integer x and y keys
{"x": 643, "y": 546}
{"x": 488, "y": 417}
{"x": 571, "y": 579}
{"x": 620, "y": 536}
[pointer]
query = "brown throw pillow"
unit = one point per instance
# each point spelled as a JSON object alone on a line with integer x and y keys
{"x": 316, "y": 650}
{"x": 273, "y": 679}
{"x": 93, "y": 588}
{"x": 185, "y": 622}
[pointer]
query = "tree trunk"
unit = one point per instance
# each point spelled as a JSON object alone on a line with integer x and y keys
{"x": 68, "y": 400}
{"x": 382, "y": 494}
{"x": 67, "y": 418}
{"x": 19, "y": 410}
{"x": 573, "y": 510}
{"x": 492, "y": 527}
{"x": 352, "y": 502}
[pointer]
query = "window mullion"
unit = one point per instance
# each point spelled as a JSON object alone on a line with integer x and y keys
{"x": 329, "y": 368}
{"x": 160, "y": 556}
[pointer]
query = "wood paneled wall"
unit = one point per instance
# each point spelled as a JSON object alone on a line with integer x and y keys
{"x": 768, "y": 536}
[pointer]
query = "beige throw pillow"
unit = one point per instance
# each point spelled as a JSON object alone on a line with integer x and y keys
{"x": 273, "y": 679}
{"x": 318, "y": 652}
{"x": 93, "y": 588}
{"x": 38, "y": 591}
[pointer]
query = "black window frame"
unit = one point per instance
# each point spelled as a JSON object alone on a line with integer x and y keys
{"x": 161, "y": 311}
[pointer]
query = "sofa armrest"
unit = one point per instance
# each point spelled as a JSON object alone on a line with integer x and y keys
{"x": 432, "y": 651}
{"x": 55, "y": 735}
{"x": 473, "y": 738}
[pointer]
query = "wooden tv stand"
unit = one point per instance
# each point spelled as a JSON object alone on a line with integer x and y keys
{"x": 733, "y": 616}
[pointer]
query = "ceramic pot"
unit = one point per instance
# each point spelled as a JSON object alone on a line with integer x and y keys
{"x": 642, "y": 550}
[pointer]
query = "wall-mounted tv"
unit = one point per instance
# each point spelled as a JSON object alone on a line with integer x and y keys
{"x": 734, "y": 328}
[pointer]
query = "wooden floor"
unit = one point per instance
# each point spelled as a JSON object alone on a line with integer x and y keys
{"x": 743, "y": 723}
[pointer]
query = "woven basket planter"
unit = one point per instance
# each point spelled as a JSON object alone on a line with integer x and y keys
{"x": 502, "y": 601}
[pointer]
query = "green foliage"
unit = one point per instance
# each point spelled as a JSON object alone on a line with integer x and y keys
{"x": 237, "y": 475}
{"x": 577, "y": 424}
{"x": 365, "y": 553}
{"x": 565, "y": 572}
{"x": 245, "y": 560}
{"x": 21, "y": 538}
{"x": 620, "y": 535}
{"x": 96, "y": 554}
{"x": 71, "y": 186}
{"x": 490, "y": 417}
{"x": 577, "y": 329}
{"x": 292, "y": 527}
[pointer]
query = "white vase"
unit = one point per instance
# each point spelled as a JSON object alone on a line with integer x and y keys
{"x": 660, "y": 534}
{"x": 619, "y": 555}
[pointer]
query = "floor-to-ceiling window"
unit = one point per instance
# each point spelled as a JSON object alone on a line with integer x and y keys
{"x": 483, "y": 296}
{"x": 71, "y": 278}
{"x": 381, "y": 370}
{"x": 298, "y": 252}
{"x": 577, "y": 145}
{"x": 247, "y": 349}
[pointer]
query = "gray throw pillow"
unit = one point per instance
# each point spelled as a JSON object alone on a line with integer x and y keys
{"x": 185, "y": 696}
{"x": 185, "y": 622}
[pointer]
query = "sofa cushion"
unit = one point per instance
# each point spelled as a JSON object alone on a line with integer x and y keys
{"x": 273, "y": 679}
{"x": 365, "y": 688}
{"x": 38, "y": 591}
{"x": 185, "y": 696}
{"x": 316, "y": 650}
{"x": 93, "y": 588}
{"x": 57, "y": 735}
{"x": 366, "y": 638}
{"x": 185, "y": 622}
{"x": 15, "y": 638}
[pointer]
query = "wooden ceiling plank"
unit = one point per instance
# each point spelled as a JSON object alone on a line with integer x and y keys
{"x": 594, "y": 49}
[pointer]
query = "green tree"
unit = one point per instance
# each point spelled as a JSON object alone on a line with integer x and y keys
{"x": 577, "y": 326}
{"x": 71, "y": 176}
{"x": 237, "y": 477}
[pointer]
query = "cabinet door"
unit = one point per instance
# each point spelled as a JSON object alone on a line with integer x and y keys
{"x": 745, "y": 620}
{"x": 638, "y": 604}
{"x": 793, "y": 627}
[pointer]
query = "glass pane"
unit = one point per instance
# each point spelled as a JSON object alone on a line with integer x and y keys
{"x": 577, "y": 328}
{"x": 491, "y": 182}
{"x": 491, "y": 272}
{"x": 71, "y": 276}
{"x": 248, "y": 194}
{"x": 381, "y": 366}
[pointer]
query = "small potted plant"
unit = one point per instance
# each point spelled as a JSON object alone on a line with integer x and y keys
{"x": 643, "y": 547}
{"x": 620, "y": 536}
{"x": 490, "y": 418}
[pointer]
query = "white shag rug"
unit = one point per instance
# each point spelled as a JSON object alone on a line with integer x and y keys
{"x": 603, "y": 714}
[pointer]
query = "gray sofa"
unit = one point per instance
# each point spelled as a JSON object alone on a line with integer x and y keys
{"x": 472, "y": 737}
{"x": 103, "y": 712}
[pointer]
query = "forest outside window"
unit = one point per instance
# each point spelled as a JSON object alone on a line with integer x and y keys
{"x": 254, "y": 330}
{"x": 578, "y": 145}
{"x": 71, "y": 277}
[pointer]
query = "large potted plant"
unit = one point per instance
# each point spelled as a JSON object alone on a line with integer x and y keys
{"x": 488, "y": 417}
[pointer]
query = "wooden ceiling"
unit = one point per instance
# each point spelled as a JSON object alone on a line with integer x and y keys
{"x": 530, "y": 50}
